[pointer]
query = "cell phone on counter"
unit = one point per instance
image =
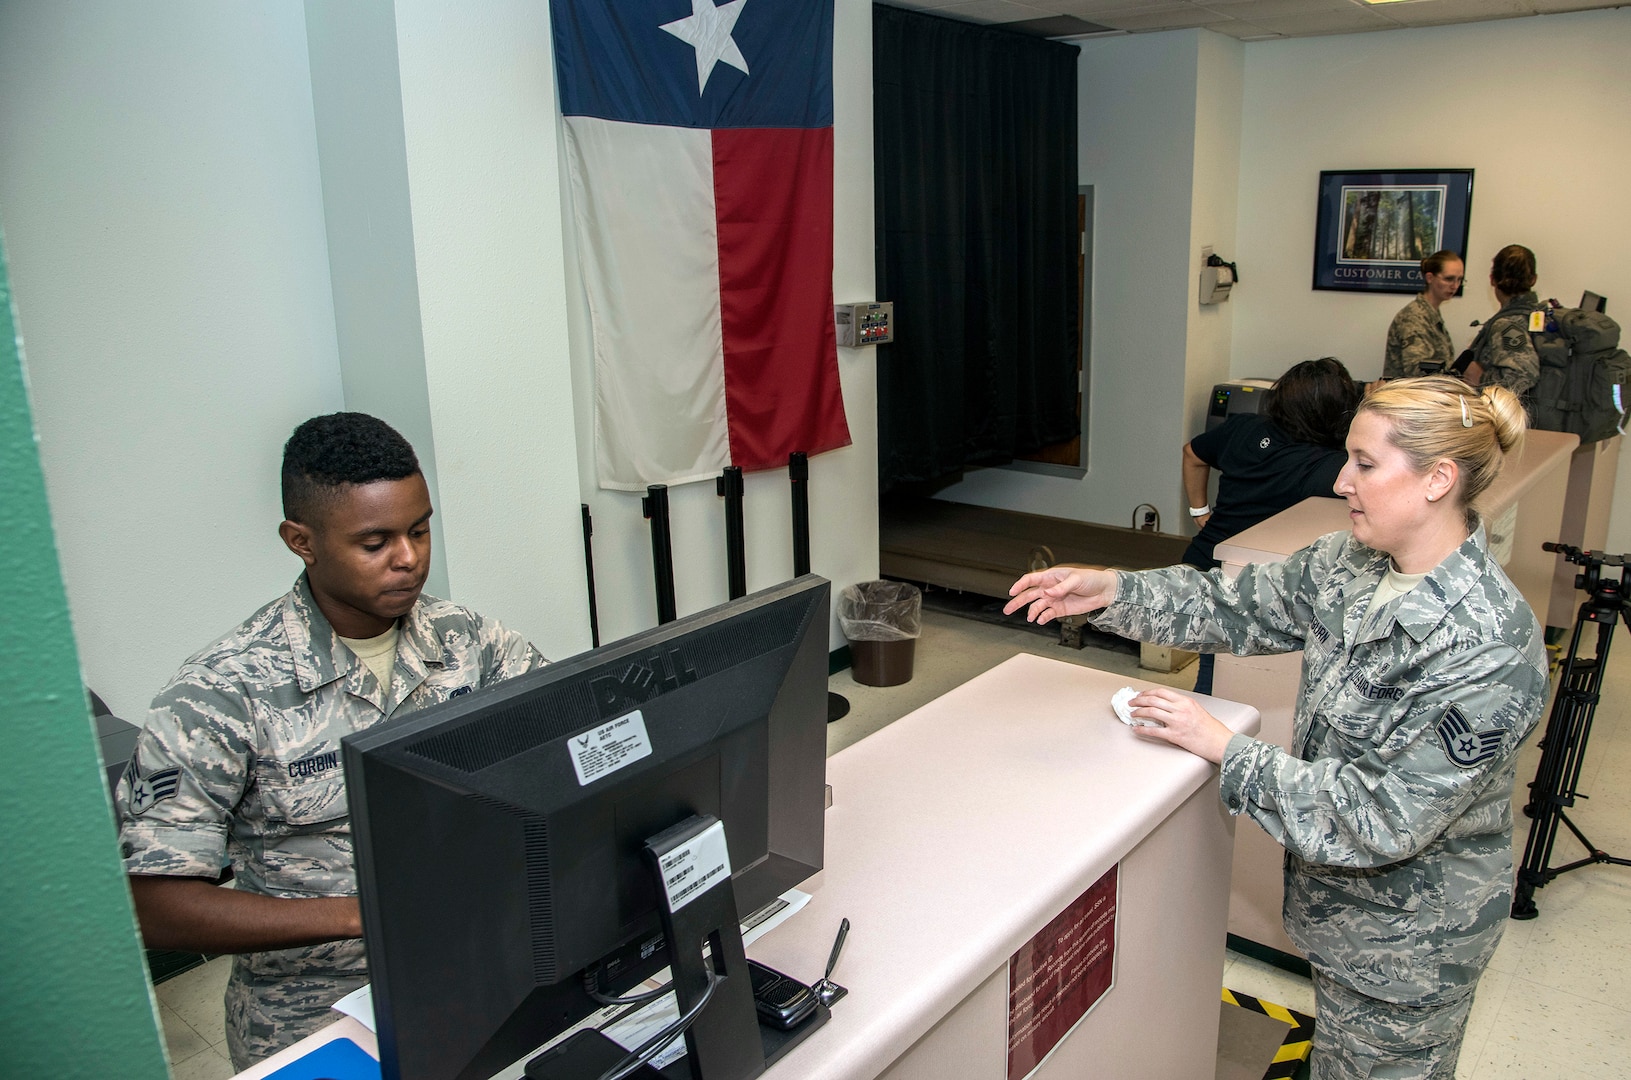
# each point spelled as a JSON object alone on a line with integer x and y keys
{"x": 782, "y": 1001}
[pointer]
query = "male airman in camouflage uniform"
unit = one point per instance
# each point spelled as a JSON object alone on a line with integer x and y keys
{"x": 1393, "y": 805}
{"x": 1417, "y": 342}
{"x": 240, "y": 765}
{"x": 1504, "y": 349}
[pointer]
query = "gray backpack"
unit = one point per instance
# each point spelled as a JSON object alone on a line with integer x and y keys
{"x": 1585, "y": 377}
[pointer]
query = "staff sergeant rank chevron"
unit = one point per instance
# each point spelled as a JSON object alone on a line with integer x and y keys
{"x": 1462, "y": 745}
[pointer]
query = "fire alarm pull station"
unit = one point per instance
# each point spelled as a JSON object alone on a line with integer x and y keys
{"x": 865, "y": 324}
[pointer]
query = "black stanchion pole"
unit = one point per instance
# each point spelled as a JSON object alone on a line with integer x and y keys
{"x": 655, "y": 508}
{"x": 798, "y": 476}
{"x": 729, "y": 485}
{"x": 589, "y": 570}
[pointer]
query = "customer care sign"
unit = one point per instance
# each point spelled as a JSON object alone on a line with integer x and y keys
{"x": 1057, "y": 977}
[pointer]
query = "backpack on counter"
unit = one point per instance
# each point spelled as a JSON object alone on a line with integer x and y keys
{"x": 1585, "y": 377}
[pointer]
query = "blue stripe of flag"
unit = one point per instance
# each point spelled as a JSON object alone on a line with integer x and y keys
{"x": 613, "y": 60}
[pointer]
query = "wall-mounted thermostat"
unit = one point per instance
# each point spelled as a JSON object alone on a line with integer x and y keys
{"x": 865, "y": 324}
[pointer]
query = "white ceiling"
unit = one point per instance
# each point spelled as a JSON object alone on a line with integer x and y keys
{"x": 1248, "y": 20}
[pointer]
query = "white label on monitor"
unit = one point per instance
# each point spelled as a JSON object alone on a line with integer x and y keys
{"x": 695, "y": 866}
{"x": 603, "y": 750}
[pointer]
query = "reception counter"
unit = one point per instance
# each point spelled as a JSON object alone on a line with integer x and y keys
{"x": 958, "y": 837}
{"x": 1523, "y": 508}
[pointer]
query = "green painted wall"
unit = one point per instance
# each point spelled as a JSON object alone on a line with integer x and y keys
{"x": 74, "y": 998}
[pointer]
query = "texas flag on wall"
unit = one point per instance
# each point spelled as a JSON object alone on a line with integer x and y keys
{"x": 700, "y": 165}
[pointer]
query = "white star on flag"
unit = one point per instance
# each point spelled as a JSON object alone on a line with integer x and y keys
{"x": 708, "y": 30}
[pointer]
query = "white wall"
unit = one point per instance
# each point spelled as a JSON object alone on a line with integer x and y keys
{"x": 1538, "y": 107}
{"x": 1137, "y": 111}
{"x": 1219, "y": 88}
{"x": 160, "y": 196}
{"x": 357, "y": 105}
{"x": 479, "y": 117}
{"x": 172, "y": 223}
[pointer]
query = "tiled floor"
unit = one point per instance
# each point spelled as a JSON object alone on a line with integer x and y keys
{"x": 1556, "y": 1001}
{"x": 194, "y": 1022}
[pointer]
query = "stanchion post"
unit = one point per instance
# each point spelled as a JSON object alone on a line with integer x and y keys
{"x": 589, "y": 572}
{"x": 730, "y": 487}
{"x": 798, "y": 476}
{"x": 655, "y": 507}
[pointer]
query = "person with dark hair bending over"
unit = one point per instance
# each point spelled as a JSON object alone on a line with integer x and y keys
{"x": 1417, "y": 342}
{"x": 1269, "y": 462}
{"x": 1423, "y": 672}
{"x": 1503, "y": 354}
{"x": 239, "y": 763}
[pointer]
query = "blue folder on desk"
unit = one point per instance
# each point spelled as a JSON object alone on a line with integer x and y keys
{"x": 341, "y": 1059}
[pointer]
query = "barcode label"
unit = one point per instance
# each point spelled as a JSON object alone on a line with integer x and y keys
{"x": 696, "y": 866}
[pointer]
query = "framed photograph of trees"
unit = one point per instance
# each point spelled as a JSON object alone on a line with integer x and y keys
{"x": 1374, "y": 228}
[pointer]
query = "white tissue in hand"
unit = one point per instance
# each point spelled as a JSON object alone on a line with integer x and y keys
{"x": 1121, "y": 702}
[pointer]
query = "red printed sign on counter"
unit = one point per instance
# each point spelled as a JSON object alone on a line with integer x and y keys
{"x": 1057, "y": 976}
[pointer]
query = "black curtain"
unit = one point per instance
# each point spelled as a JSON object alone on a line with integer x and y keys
{"x": 974, "y": 149}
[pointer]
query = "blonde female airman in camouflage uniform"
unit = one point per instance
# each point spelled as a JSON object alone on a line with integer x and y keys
{"x": 1423, "y": 671}
{"x": 239, "y": 763}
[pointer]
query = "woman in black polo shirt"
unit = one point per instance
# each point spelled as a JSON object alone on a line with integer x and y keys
{"x": 1293, "y": 449}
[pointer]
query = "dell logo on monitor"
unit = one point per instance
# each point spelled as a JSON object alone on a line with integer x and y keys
{"x": 644, "y": 679}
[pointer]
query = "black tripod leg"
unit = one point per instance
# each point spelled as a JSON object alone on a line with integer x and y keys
{"x": 1562, "y": 755}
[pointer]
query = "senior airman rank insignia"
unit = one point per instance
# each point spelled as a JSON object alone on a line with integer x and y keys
{"x": 153, "y": 788}
{"x": 1464, "y": 746}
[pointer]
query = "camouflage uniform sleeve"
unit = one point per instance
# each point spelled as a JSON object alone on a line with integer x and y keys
{"x": 506, "y": 654}
{"x": 1408, "y": 780}
{"x": 1418, "y": 348}
{"x": 1510, "y": 359}
{"x": 190, "y": 768}
{"x": 1404, "y": 346}
{"x": 1263, "y": 610}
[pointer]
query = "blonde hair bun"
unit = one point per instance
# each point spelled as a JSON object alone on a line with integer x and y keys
{"x": 1508, "y": 415}
{"x": 1439, "y": 416}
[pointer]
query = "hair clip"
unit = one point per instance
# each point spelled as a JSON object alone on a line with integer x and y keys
{"x": 1466, "y": 417}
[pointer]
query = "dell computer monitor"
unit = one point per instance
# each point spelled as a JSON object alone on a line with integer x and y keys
{"x": 499, "y": 835}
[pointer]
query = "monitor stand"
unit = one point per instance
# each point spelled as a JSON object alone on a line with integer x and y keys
{"x": 726, "y": 1041}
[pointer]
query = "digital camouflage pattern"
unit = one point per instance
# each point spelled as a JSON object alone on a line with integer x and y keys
{"x": 240, "y": 764}
{"x": 1416, "y": 337}
{"x": 1357, "y": 1037}
{"x": 1394, "y": 805}
{"x": 1505, "y": 350}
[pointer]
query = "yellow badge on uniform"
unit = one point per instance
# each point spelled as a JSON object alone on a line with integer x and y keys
{"x": 1537, "y": 322}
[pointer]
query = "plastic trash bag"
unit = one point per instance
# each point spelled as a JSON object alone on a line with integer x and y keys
{"x": 880, "y": 611}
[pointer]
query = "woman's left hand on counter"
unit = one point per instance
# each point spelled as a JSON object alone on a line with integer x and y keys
{"x": 1186, "y": 723}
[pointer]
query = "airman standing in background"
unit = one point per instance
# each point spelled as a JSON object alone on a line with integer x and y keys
{"x": 1502, "y": 353}
{"x": 1417, "y": 342}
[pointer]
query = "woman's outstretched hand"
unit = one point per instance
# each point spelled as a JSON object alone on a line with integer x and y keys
{"x": 1060, "y": 591}
{"x": 1184, "y": 723}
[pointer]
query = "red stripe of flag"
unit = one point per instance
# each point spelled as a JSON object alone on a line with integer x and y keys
{"x": 773, "y": 195}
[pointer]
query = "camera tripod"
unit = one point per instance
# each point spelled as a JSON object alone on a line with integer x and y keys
{"x": 1563, "y": 749}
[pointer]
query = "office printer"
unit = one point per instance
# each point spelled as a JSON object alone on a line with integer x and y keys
{"x": 1229, "y": 398}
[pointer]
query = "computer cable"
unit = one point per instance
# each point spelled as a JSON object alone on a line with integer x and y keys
{"x": 642, "y": 1054}
{"x": 591, "y": 986}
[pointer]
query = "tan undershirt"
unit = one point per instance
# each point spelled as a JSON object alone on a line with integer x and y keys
{"x": 379, "y": 653}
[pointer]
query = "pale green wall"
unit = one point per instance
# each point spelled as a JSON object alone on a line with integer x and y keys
{"x": 75, "y": 997}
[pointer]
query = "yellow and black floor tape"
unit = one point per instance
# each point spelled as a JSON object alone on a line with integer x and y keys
{"x": 1298, "y": 1042}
